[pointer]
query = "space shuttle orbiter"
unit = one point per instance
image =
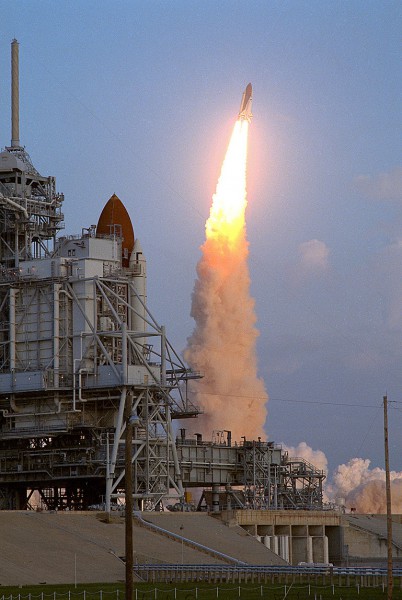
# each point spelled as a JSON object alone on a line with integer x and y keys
{"x": 245, "y": 106}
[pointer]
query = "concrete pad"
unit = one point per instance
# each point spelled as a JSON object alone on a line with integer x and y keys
{"x": 57, "y": 547}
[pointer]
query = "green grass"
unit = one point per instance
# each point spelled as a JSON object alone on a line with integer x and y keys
{"x": 192, "y": 591}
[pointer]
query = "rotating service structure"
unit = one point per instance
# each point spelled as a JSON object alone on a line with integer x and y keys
{"x": 82, "y": 359}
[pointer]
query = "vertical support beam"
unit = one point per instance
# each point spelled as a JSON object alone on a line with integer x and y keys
{"x": 56, "y": 333}
{"x": 163, "y": 356}
{"x": 178, "y": 480}
{"x": 110, "y": 469}
{"x": 128, "y": 478}
{"x": 124, "y": 352}
{"x": 12, "y": 335}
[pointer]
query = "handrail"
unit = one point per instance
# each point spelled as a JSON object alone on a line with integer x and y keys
{"x": 181, "y": 538}
{"x": 271, "y": 569}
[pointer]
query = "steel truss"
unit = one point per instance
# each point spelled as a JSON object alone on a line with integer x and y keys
{"x": 256, "y": 474}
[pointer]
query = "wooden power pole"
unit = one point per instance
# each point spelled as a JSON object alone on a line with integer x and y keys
{"x": 388, "y": 496}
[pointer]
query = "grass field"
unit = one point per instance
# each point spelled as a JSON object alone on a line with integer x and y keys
{"x": 188, "y": 591}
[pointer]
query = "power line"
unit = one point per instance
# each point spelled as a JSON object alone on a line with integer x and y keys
{"x": 319, "y": 402}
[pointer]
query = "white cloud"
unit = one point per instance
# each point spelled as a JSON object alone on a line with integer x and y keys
{"x": 384, "y": 186}
{"x": 314, "y": 256}
{"x": 388, "y": 272}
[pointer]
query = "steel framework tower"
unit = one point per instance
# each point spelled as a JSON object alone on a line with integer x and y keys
{"x": 78, "y": 348}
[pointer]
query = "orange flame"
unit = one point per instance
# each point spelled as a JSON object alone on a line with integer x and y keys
{"x": 227, "y": 216}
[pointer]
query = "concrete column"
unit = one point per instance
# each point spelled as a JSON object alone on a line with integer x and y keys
{"x": 326, "y": 550}
{"x": 215, "y": 497}
{"x": 309, "y": 549}
{"x": 284, "y": 547}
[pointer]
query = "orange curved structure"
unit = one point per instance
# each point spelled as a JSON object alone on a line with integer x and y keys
{"x": 115, "y": 220}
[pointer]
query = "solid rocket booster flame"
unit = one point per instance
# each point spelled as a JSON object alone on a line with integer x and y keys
{"x": 227, "y": 216}
{"x": 222, "y": 345}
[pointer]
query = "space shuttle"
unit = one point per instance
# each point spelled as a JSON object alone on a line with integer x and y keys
{"x": 245, "y": 106}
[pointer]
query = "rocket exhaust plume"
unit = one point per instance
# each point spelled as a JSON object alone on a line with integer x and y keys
{"x": 223, "y": 343}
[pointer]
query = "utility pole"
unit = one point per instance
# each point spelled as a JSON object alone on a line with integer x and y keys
{"x": 388, "y": 496}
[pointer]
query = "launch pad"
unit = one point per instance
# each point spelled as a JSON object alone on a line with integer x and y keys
{"x": 83, "y": 362}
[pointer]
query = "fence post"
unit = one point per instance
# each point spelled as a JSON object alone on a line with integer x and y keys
{"x": 261, "y": 591}
{"x": 239, "y": 591}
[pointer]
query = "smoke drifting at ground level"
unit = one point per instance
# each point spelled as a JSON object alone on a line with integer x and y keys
{"x": 354, "y": 485}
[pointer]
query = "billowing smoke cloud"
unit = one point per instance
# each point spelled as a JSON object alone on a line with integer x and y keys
{"x": 354, "y": 485}
{"x": 371, "y": 497}
{"x": 223, "y": 344}
{"x": 356, "y": 473}
{"x": 363, "y": 488}
{"x": 315, "y": 457}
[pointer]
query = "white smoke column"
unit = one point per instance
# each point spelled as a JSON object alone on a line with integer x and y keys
{"x": 223, "y": 344}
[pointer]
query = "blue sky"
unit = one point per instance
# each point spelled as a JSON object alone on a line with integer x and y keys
{"x": 139, "y": 99}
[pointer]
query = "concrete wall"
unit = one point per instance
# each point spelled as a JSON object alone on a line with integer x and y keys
{"x": 364, "y": 544}
{"x": 297, "y": 536}
{"x": 318, "y": 536}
